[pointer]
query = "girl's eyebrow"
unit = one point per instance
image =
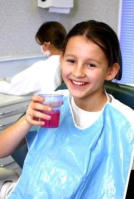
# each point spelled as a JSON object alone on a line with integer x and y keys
{"x": 69, "y": 55}
{"x": 88, "y": 59}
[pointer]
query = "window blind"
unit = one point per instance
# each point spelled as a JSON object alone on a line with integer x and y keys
{"x": 127, "y": 40}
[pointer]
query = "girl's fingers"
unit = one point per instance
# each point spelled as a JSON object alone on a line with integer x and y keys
{"x": 34, "y": 122}
{"x": 34, "y": 119}
{"x": 36, "y": 110}
{"x": 37, "y": 104}
{"x": 38, "y": 114}
{"x": 37, "y": 98}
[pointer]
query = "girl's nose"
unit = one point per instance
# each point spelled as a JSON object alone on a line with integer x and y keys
{"x": 78, "y": 71}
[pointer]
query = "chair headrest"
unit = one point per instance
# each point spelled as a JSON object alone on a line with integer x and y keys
{"x": 122, "y": 92}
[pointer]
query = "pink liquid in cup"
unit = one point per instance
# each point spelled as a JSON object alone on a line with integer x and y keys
{"x": 55, "y": 101}
{"x": 54, "y": 121}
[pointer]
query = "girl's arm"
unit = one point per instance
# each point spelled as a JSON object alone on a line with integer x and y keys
{"x": 11, "y": 137}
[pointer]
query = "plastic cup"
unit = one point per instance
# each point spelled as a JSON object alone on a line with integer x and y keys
{"x": 55, "y": 101}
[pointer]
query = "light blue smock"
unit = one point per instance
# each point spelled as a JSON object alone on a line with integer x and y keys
{"x": 70, "y": 163}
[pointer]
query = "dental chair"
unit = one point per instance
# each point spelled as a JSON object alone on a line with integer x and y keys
{"x": 124, "y": 93}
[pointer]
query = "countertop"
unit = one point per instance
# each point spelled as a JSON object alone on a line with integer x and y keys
{"x": 6, "y": 100}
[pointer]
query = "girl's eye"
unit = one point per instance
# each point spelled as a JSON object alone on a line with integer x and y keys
{"x": 72, "y": 61}
{"x": 91, "y": 65}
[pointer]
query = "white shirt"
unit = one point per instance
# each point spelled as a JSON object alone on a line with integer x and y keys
{"x": 41, "y": 77}
{"x": 83, "y": 119}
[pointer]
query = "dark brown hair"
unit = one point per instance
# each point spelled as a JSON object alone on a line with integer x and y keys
{"x": 104, "y": 36}
{"x": 53, "y": 32}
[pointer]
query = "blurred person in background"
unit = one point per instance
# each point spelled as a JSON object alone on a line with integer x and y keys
{"x": 42, "y": 76}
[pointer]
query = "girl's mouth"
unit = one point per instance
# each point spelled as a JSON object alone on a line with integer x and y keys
{"x": 78, "y": 83}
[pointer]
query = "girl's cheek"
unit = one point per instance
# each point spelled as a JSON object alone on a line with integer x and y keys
{"x": 64, "y": 74}
{"x": 65, "y": 70}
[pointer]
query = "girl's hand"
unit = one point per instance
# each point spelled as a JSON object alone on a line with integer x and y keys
{"x": 35, "y": 111}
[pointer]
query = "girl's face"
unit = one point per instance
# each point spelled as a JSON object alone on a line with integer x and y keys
{"x": 84, "y": 69}
{"x": 45, "y": 49}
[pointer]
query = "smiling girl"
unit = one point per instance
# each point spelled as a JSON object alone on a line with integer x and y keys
{"x": 89, "y": 156}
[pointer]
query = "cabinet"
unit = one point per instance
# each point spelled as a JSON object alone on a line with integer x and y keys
{"x": 11, "y": 109}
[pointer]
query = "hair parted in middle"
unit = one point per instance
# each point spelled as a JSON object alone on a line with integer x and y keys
{"x": 102, "y": 35}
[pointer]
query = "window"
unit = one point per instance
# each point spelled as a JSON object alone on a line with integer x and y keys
{"x": 127, "y": 40}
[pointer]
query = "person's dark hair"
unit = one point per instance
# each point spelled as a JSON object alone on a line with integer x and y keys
{"x": 52, "y": 32}
{"x": 104, "y": 36}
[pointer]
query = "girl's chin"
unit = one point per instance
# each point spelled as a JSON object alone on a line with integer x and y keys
{"x": 77, "y": 94}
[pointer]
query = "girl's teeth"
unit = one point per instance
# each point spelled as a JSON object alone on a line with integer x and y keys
{"x": 78, "y": 83}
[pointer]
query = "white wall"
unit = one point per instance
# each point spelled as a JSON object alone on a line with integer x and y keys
{"x": 19, "y": 21}
{"x": 104, "y": 10}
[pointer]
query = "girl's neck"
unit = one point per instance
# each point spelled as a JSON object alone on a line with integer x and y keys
{"x": 95, "y": 103}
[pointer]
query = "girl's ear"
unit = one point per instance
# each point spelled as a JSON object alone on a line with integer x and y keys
{"x": 112, "y": 71}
